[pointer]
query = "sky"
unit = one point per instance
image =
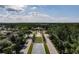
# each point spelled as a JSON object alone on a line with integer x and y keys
{"x": 39, "y": 13}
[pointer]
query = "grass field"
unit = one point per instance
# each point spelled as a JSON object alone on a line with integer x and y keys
{"x": 30, "y": 49}
{"x": 38, "y": 40}
{"x": 46, "y": 48}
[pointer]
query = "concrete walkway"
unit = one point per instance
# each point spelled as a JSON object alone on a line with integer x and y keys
{"x": 25, "y": 50}
{"x": 50, "y": 45}
{"x": 38, "y": 48}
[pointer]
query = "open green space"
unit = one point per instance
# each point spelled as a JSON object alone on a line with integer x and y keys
{"x": 30, "y": 49}
{"x": 46, "y": 48}
{"x": 38, "y": 40}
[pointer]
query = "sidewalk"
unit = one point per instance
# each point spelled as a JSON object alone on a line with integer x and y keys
{"x": 25, "y": 50}
{"x": 38, "y": 48}
{"x": 50, "y": 45}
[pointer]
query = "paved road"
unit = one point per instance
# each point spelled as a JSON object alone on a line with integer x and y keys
{"x": 50, "y": 45}
{"x": 38, "y": 48}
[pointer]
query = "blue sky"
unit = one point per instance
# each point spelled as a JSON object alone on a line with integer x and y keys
{"x": 61, "y": 11}
{"x": 53, "y": 10}
{"x": 56, "y": 10}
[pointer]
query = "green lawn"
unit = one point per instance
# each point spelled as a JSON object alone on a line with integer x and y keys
{"x": 46, "y": 48}
{"x": 38, "y": 40}
{"x": 30, "y": 49}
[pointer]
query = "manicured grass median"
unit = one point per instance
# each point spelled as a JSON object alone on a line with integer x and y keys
{"x": 46, "y": 48}
{"x": 38, "y": 39}
{"x": 30, "y": 49}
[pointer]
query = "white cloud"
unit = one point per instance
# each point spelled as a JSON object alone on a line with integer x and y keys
{"x": 38, "y": 14}
{"x": 34, "y": 8}
{"x": 15, "y": 7}
{"x": 36, "y": 17}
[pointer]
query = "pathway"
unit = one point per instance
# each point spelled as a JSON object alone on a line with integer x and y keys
{"x": 25, "y": 50}
{"x": 38, "y": 48}
{"x": 50, "y": 45}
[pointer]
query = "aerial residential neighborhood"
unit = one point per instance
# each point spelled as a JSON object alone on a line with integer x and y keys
{"x": 39, "y": 29}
